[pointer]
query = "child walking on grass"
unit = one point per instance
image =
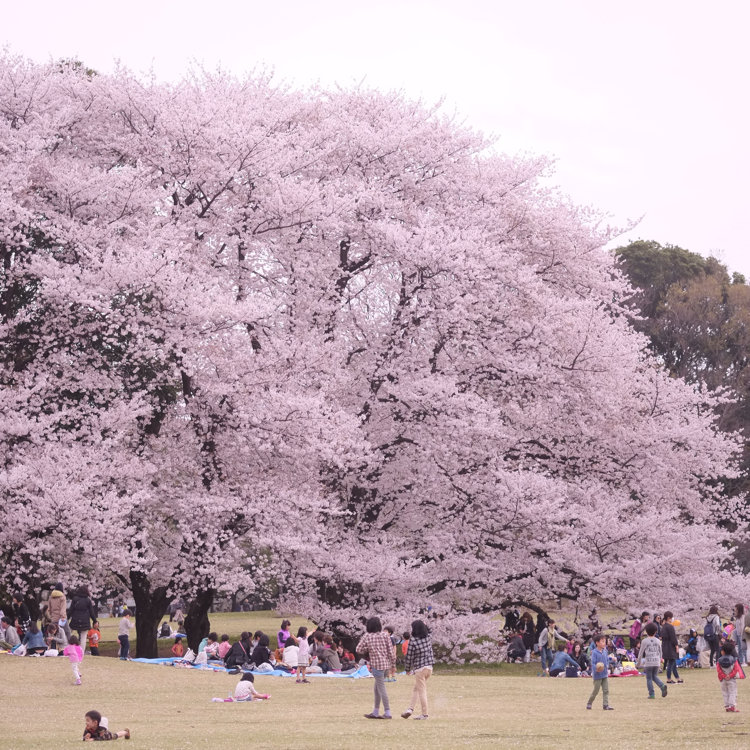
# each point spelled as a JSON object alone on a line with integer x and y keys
{"x": 600, "y": 672}
{"x": 729, "y": 671}
{"x": 649, "y": 658}
{"x": 74, "y": 652}
{"x": 97, "y": 728}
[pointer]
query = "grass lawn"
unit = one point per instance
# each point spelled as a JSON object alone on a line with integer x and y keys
{"x": 510, "y": 706}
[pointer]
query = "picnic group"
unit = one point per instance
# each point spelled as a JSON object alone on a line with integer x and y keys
{"x": 653, "y": 647}
{"x": 67, "y": 631}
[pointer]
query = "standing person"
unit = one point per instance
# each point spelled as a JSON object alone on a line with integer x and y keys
{"x": 729, "y": 671}
{"x": 123, "y": 635}
{"x": 526, "y": 628}
{"x": 391, "y": 676}
{"x": 649, "y": 658}
{"x": 82, "y": 612}
{"x": 419, "y": 661}
{"x": 74, "y": 652}
{"x": 669, "y": 648}
{"x": 657, "y": 621}
{"x": 637, "y": 627}
{"x": 94, "y": 636}
{"x": 376, "y": 646}
{"x": 57, "y": 608}
{"x": 303, "y": 656}
{"x": 21, "y": 612}
{"x": 738, "y": 634}
{"x": 712, "y": 633}
{"x": 600, "y": 672}
{"x": 547, "y": 644}
{"x": 283, "y": 635}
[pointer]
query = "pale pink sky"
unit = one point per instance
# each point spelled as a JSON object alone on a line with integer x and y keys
{"x": 644, "y": 104}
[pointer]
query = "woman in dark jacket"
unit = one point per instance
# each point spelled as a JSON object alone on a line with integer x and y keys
{"x": 239, "y": 654}
{"x": 526, "y": 629}
{"x": 669, "y": 648}
{"x": 579, "y": 655}
{"x": 82, "y": 611}
{"x": 261, "y": 653}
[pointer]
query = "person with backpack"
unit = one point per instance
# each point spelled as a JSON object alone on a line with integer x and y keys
{"x": 637, "y": 627}
{"x": 712, "y": 633}
{"x": 729, "y": 670}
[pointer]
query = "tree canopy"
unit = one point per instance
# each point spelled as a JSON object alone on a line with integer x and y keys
{"x": 329, "y": 336}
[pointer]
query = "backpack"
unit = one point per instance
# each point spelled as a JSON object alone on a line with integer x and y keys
{"x": 708, "y": 630}
{"x": 635, "y": 629}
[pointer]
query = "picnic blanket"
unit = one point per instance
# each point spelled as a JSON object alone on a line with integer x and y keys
{"x": 217, "y": 666}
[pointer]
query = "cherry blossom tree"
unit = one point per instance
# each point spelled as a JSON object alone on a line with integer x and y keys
{"x": 333, "y": 337}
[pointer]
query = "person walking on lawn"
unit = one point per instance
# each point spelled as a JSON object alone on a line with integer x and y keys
{"x": 600, "y": 672}
{"x": 649, "y": 658}
{"x": 669, "y": 649}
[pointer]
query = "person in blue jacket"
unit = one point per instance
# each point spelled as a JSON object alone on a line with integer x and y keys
{"x": 562, "y": 660}
{"x": 600, "y": 672}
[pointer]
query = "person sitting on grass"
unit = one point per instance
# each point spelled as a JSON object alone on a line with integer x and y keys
{"x": 561, "y": 660}
{"x": 224, "y": 646}
{"x": 55, "y": 637}
{"x": 239, "y": 653}
{"x": 212, "y": 646}
{"x": 516, "y": 648}
{"x": 261, "y": 653}
{"x": 579, "y": 655}
{"x": 97, "y": 729}
{"x": 329, "y": 659}
{"x": 34, "y": 641}
{"x": 244, "y": 692}
{"x": 9, "y": 637}
{"x": 178, "y": 650}
{"x": 290, "y": 657}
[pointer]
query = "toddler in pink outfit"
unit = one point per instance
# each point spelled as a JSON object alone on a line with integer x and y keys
{"x": 74, "y": 652}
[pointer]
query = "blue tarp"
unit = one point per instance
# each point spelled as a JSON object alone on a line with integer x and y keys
{"x": 216, "y": 666}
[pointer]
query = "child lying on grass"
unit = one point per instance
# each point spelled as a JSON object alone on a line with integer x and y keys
{"x": 97, "y": 729}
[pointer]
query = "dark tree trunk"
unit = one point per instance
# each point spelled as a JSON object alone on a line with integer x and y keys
{"x": 150, "y": 607}
{"x": 197, "y": 625}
